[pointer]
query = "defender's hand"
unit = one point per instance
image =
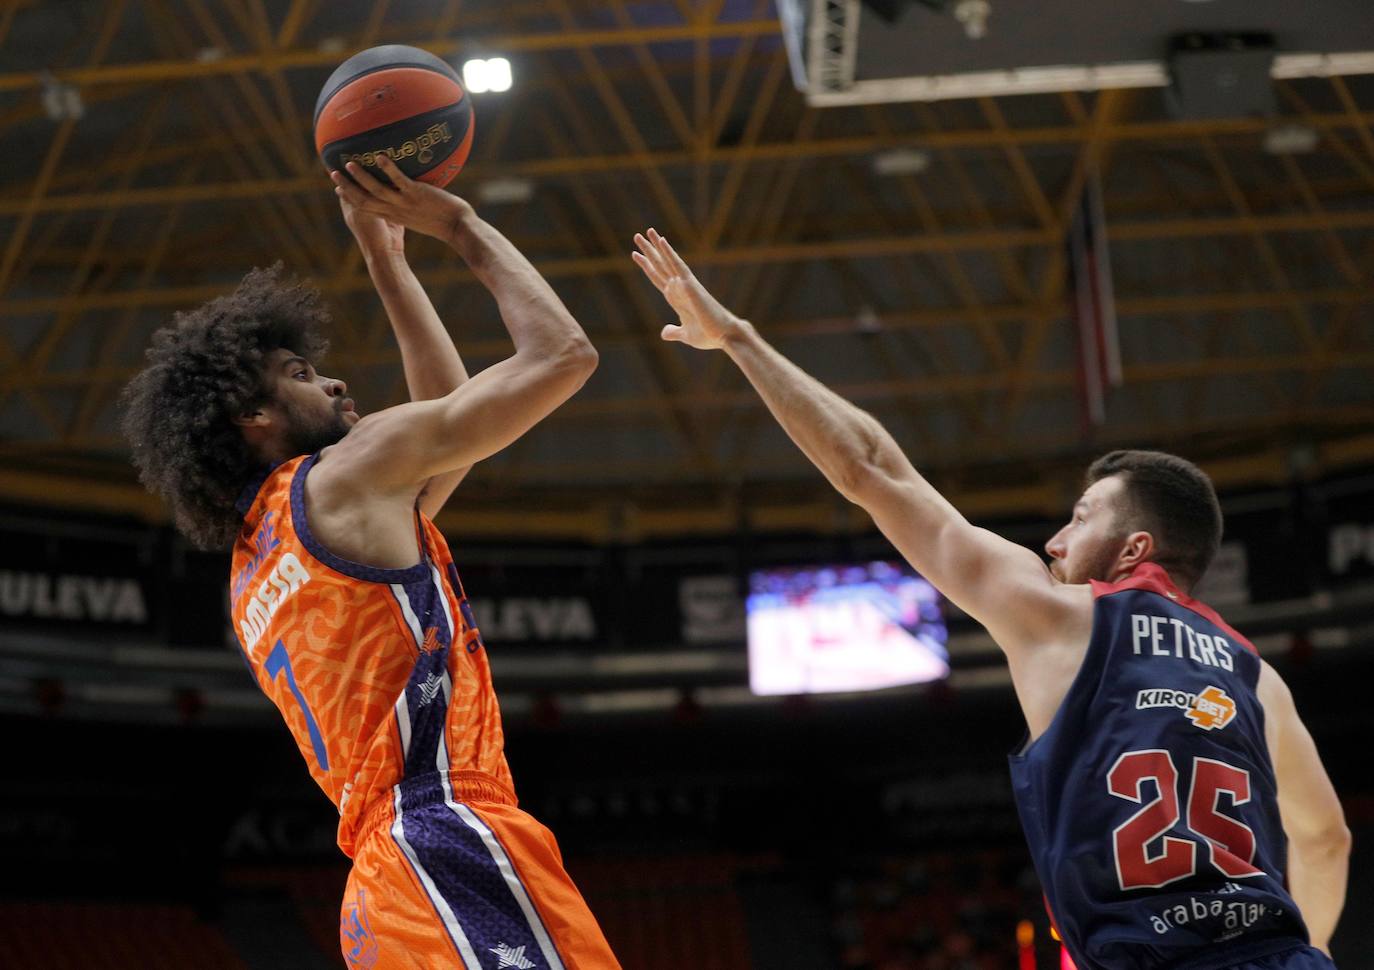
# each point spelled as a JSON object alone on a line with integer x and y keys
{"x": 705, "y": 323}
{"x": 406, "y": 202}
{"x": 377, "y": 236}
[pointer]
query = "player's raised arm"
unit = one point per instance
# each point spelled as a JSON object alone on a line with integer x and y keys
{"x": 410, "y": 444}
{"x": 991, "y": 579}
{"x": 1318, "y": 839}
{"x": 432, "y": 365}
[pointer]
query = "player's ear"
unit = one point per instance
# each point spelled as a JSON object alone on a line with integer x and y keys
{"x": 1139, "y": 547}
{"x": 257, "y": 418}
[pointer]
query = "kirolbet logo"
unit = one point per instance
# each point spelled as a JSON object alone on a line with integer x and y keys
{"x": 1210, "y": 709}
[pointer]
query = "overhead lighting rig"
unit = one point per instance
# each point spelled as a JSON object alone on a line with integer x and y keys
{"x": 973, "y": 14}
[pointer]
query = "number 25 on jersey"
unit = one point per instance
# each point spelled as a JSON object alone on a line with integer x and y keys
{"x": 1230, "y": 843}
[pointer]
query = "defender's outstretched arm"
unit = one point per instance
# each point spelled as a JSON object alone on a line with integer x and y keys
{"x": 1004, "y": 586}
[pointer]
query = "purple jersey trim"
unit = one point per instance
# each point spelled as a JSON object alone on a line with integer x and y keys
{"x": 249, "y": 495}
{"x": 466, "y": 874}
{"x": 369, "y": 574}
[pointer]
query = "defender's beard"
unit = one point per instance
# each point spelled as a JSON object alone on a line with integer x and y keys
{"x": 1098, "y": 564}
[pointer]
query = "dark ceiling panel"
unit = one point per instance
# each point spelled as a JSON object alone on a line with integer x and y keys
{"x": 1038, "y": 33}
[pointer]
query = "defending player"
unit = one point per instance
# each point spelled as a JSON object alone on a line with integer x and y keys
{"x": 347, "y": 603}
{"x": 1165, "y": 761}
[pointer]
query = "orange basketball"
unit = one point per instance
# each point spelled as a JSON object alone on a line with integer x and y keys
{"x": 398, "y": 101}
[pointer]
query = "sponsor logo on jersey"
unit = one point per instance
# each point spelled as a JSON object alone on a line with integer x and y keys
{"x": 359, "y": 945}
{"x": 1209, "y": 709}
{"x": 1212, "y": 709}
{"x": 1214, "y": 916}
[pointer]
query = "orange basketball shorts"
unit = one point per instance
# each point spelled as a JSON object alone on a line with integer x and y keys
{"x": 450, "y": 873}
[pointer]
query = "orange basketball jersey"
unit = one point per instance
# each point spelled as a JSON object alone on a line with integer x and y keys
{"x": 383, "y": 680}
{"x": 380, "y": 674}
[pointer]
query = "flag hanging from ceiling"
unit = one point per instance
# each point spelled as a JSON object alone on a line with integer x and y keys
{"x": 1092, "y": 304}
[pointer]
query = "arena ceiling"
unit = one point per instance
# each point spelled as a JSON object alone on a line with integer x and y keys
{"x": 935, "y": 298}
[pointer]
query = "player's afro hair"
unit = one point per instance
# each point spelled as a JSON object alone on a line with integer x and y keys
{"x": 203, "y": 370}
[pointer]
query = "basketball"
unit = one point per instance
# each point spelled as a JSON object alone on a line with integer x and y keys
{"x": 400, "y": 101}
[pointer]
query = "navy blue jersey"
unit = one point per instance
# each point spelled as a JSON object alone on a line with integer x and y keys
{"x": 1150, "y": 804}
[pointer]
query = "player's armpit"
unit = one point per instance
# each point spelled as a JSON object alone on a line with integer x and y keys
{"x": 403, "y": 447}
{"x": 1313, "y": 820}
{"x": 437, "y": 490}
{"x": 1004, "y": 586}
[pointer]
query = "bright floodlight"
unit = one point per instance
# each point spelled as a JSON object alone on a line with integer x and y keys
{"x": 498, "y": 73}
{"x": 481, "y": 76}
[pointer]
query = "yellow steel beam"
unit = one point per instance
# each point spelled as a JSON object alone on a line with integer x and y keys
{"x": 1352, "y": 109}
{"x": 1332, "y": 136}
{"x": 734, "y": 176}
{"x": 658, "y": 82}
{"x": 925, "y": 319}
{"x": 860, "y": 248}
{"x": 572, "y": 39}
{"x": 7, "y": 16}
{"x": 581, "y": 164}
{"x": 944, "y": 385}
{"x": 680, "y": 225}
{"x": 953, "y": 274}
{"x": 284, "y": 217}
{"x": 38, "y": 357}
{"x": 666, "y": 367}
{"x": 748, "y": 290}
{"x": 1340, "y": 253}
{"x": 780, "y": 470}
{"x": 114, "y": 16}
{"x": 1030, "y": 185}
{"x": 617, "y": 513}
{"x": 1273, "y": 265}
{"x": 28, "y": 208}
{"x": 113, "y": 336}
{"x": 297, "y": 16}
{"x": 291, "y": 151}
{"x": 1093, "y": 155}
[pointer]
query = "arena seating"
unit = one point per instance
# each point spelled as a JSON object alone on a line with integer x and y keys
{"x": 668, "y": 913}
{"x": 109, "y": 936}
{"x": 935, "y": 912}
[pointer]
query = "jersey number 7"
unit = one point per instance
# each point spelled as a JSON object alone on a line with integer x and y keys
{"x": 1230, "y": 843}
{"x": 278, "y": 662}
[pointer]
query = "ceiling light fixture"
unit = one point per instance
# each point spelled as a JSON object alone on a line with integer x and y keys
{"x": 490, "y": 75}
{"x": 505, "y": 191}
{"x": 973, "y": 14}
{"x": 901, "y": 161}
{"x": 61, "y": 101}
{"x": 1290, "y": 139}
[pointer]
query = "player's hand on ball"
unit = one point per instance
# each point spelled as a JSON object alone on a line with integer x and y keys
{"x": 406, "y": 202}
{"x": 704, "y": 323}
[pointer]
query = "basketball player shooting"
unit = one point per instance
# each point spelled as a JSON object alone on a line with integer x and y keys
{"x": 1175, "y": 805}
{"x": 349, "y": 609}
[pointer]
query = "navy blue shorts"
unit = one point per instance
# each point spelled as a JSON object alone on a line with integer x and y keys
{"x": 1302, "y": 958}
